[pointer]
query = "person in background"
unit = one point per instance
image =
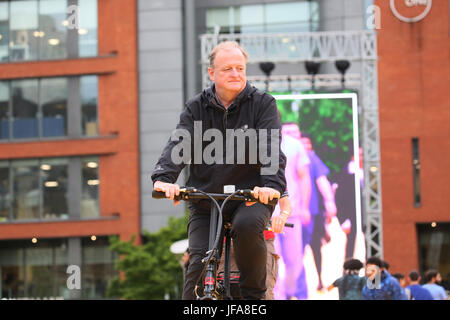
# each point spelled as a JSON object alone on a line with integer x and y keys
{"x": 345, "y": 197}
{"x": 322, "y": 207}
{"x": 417, "y": 291}
{"x": 401, "y": 279}
{"x": 385, "y": 286}
{"x": 433, "y": 277}
{"x": 298, "y": 184}
{"x": 350, "y": 285}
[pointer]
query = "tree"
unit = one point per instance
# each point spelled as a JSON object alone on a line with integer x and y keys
{"x": 150, "y": 270}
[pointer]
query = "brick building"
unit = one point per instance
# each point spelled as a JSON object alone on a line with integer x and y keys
{"x": 414, "y": 113}
{"x": 69, "y": 162}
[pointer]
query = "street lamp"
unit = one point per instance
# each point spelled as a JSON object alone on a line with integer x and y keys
{"x": 312, "y": 68}
{"x": 342, "y": 66}
{"x": 267, "y": 68}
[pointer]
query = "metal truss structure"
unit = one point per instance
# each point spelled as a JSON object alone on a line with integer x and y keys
{"x": 360, "y": 46}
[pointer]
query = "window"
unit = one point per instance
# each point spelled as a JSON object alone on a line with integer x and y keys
{"x": 53, "y": 96}
{"x": 4, "y": 31}
{"x": 39, "y": 270}
{"x": 89, "y": 97}
{"x": 4, "y": 109}
{"x": 87, "y": 32}
{"x": 98, "y": 267}
{"x": 285, "y": 18}
{"x": 300, "y": 16}
{"x": 25, "y": 177}
{"x": 39, "y": 29}
{"x": 25, "y": 108}
{"x": 416, "y": 171}
{"x": 39, "y": 108}
{"x": 52, "y": 31}
{"x": 42, "y": 189}
{"x": 24, "y": 30}
{"x": 5, "y": 198}
{"x": 12, "y": 270}
{"x": 90, "y": 188}
{"x": 54, "y": 173}
{"x": 434, "y": 249}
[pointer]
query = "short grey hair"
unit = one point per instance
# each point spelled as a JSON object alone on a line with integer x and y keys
{"x": 226, "y": 45}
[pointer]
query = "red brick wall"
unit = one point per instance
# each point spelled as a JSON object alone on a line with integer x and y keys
{"x": 414, "y": 101}
{"x": 118, "y": 144}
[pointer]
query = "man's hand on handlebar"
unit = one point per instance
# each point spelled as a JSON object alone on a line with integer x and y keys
{"x": 264, "y": 194}
{"x": 279, "y": 221}
{"x": 170, "y": 189}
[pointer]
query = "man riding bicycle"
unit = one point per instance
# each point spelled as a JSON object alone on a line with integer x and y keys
{"x": 229, "y": 103}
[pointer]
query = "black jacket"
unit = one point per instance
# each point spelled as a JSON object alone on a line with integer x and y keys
{"x": 252, "y": 108}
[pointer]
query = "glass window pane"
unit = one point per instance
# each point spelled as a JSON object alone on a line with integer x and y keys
{"x": 61, "y": 263}
{"x": 90, "y": 188}
{"x": 252, "y": 15}
{"x": 98, "y": 267}
{"x": 26, "y": 189}
{"x": 89, "y": 97}
{"x": 278, "y": 13}
{"x": 4, "y": 114}
{"x": 5, "y": 196}
{"x": 54, "y": 173}
{"x": 4, "y": 31}
{"x": 87, "y": 32}
{"x": 297, "y": 16}
{"x": 217, "y": 16}
{"x": 12, "y": 270}
{"x": 434, "y": 247}
{"x": 52, "y": 16}
{"x": 53, "y": 97}
{"x": 39, "y": 271}
{"x": 24, "y": 28}
{"x": 25, "y": 108}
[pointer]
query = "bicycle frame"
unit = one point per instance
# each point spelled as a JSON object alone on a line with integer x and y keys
{"x": 209, "y": 273}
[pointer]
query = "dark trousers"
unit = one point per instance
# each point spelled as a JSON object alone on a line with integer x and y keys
{"x": 250, "y": 249}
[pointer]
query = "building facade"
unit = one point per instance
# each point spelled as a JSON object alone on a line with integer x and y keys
{"x": 69, "y": 173}
{"x": 414, "y": 83}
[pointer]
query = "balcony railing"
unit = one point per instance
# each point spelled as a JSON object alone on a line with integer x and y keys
{"x": 295, "y": 47}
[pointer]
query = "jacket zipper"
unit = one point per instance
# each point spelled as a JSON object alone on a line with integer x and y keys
{"x": 225, "y": 118}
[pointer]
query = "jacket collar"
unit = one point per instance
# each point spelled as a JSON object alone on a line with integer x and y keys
{"x": 209, "y": 94}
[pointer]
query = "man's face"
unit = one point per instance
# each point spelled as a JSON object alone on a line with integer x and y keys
{"x": 438, "y": 278}
{"x": 371, "y": 271}
{"x": 228, "y": 72}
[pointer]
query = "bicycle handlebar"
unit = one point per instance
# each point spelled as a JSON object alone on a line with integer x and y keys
{"x": 188, "y": 194}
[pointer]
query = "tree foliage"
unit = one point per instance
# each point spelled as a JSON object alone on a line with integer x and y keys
{"x": 150, "y": 271}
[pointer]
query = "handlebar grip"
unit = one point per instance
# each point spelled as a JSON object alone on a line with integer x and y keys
{"x": 158, "y": 194}
{"x": 289, "y": 225}
{"x": 162, "y": 195}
